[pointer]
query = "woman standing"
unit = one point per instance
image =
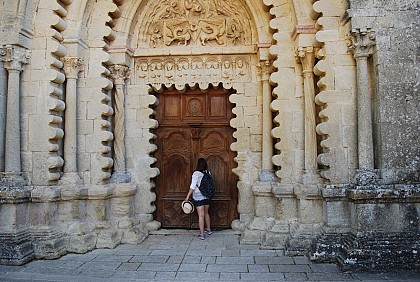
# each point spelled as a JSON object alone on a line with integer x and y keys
{"x": 201, "y": 203}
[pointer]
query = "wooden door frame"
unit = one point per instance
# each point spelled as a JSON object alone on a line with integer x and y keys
{"x": 233, "y": 211}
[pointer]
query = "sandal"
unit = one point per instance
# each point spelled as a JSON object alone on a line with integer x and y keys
{"x": 208, "y": 231}
{"x": 201, "y": 236}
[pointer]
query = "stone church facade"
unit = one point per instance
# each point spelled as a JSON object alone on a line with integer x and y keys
{"x": 306, "y": 110}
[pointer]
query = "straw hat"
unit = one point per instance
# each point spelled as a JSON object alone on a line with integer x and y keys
{"x": 187, "y": 207}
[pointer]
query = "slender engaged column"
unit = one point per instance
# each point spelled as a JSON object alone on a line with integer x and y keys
{"x": 307, "y": 59}
{"x": 15, "y": 58}
{"x": 120, "y": 74}
{"x": 362, "y": 45}
{"x": 71, "y": 70}
{"x": 267, "y": 139}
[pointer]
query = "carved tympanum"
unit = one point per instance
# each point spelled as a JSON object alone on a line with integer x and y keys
{"x": 198, "y": 22}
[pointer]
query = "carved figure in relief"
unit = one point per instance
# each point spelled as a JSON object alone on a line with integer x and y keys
{"x": 235, "y": 32}
{"x": 240, "y": 68}
{"x": 169, "y": 72}
{"x": 212, "y": 29}
{"x": 227, "y": 70}
{"x": 142, "y": 69}
{"x": 196, "y": 70}
{"x": 156, "y": 34}
{"x": 173, "y": 11}
{"x": 156, "y": 72}
{"x": 178, "y": 31}
{"x": 194, "y": 6}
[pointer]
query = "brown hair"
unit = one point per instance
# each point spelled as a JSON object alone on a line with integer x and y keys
{"x": 201, "y": 164}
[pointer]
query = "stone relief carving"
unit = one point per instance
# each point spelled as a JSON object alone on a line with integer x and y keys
{"x": 198, "y": 23}
{"x": 180, "y": 71}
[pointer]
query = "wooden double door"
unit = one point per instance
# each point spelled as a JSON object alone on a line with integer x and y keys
{"x": 194, "y": 124}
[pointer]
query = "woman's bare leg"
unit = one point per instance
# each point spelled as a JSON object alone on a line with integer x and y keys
{"x": 207, "y": 216}
{"x": 200, "y": 211}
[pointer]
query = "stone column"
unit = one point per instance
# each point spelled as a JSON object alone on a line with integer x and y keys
{"x": 306, "y": 56}
{"x": 120, "y": 74}
{"x": 267, "y": 173}
{"x": 362, "y": 42}
{"x": 3, "y": 88}
{"x": 14, "y": 58}
{"x": 71, "y": 70}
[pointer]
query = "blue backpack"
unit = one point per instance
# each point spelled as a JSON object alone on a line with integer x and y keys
{"x": 207, "y": 185}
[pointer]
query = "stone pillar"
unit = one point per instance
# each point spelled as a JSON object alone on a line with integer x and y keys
{"x": 120, "y": 74}
{"x": 3, "y": 89}
{"x": 71, "y": 70}
{"x": 362, "y": 42}
{"x": 306, "y": 56}
{"x": 14, "y": 58}
{"x": 267, "y": 172}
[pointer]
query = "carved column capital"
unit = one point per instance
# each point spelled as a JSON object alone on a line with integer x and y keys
{"x": 72, "y": 66}
{"x": 306, "y": 56}
{"x": 120, "y": 74}
{"x": 14, "y": 57}
{"x": 361, "y": 42}
{"x": 265, "y": 68}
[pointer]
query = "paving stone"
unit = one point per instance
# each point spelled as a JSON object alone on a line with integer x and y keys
{"x": 135, "y": 274}
{"x": 230, "y": 276}
{"x": 230, "y": 253}
{"x": 301, "y": 260}
{"x": 258, "y": 268}
{"x": 157, "y": 259}
{"x": 197, "y": 277}
{"x": 159, "y": 266}
{"x": 190, "y": 267}
{"x": 237, "y": 260}
{"x": 296, "y": 276}
{"x": 259, "y": 253}
{"x": 262, "y": 276}
{"x": 289, "y": 268}
{"x": 113, "y": 257}
{"x": 208, "y": 260}
{"x": 227, "y": 268}
{"x": 101, "y": 265}
{"x": 274, "y": 260}
{"x": 98, "y": 272}
{"x": 128, "y": 266}
{"x": 329, "y": 276}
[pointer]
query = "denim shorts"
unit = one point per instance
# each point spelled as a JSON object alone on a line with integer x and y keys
{"x": 204, "y": 202}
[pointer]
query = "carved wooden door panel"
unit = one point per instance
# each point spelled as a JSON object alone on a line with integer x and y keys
{"x": 194, "y": 124}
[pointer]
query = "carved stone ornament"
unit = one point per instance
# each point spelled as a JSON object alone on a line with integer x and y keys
{"x": 180, "y": 71}
{"x": 361, "y": 42}
{"x": 198, "y": 23}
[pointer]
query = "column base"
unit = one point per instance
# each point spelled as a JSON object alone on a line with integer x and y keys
{"x": 268, "y": 175}
{"x": 365, "y": 177}
{"x": 311, "y": 177}
{"x": 70, "y": 178}
{"x": 10, "y": 180}
{"x": 121, "y": 177}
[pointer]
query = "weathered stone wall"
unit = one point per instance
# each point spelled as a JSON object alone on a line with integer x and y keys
{"x": 87, "y": 70}
{"x": 396, "y": 84}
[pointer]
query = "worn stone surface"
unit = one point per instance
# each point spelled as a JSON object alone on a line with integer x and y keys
{"x": 316, "y": 173}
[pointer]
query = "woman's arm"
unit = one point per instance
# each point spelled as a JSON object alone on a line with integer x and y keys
{"x": 189, "y": 194}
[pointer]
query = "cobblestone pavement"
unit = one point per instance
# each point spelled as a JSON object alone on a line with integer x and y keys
{"x": 183, "y": 257}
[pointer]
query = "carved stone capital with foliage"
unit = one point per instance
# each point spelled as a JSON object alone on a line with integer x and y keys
{"x": 72, "y": 66}
{"x": 361, "y": 42}
{"x": 14, "y": 57}
{"x": 120, "y": 74}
